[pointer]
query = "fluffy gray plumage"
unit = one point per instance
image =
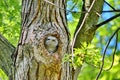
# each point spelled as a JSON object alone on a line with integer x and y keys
{"x": 51, "y": 44}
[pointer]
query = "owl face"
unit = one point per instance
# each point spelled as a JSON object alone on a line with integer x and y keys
{"x": 51, "y": 43}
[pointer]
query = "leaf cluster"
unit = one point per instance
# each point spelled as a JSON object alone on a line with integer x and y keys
{"x": 10, "y": 19}
{"x": 88, "y": 54}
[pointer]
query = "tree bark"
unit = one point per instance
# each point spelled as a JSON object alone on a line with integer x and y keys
{"x": 6, "y": 51}
{"x": 40, "y": 19}
{"x": 91, "y": 11}
{"x": 88, "y": 27}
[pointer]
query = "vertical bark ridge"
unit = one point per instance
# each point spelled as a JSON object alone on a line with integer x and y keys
{"x": 42, "y": 18}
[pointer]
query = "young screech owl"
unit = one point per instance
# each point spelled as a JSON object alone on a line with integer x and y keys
{"x": 51, "y": 44}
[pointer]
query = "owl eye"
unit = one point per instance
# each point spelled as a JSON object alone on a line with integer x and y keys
{"x": 48, "y": 39}
{"x": 53, "y": 40}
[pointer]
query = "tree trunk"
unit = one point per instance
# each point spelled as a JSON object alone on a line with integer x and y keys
{"x": 88, "y": 21}
{"x": 45, "y": 39}
{"x": 86, "y": 27}
{"x": 42, "y": 19}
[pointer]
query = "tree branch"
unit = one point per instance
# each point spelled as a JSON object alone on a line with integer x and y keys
{"x": 6, "y": 50}
{"x": 101, "y": 68}
{"x": 106, "y": 21}
{"x": 109, "y": 5}
{"x": 87, "y": 32}
{"x": 111, "y": 11}
{"x": 78, "y": 30}
{"x": 113, "y": 57}
{"x": 85, "y": 29}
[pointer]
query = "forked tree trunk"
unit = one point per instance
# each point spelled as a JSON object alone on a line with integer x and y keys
{"x": 40, "y": 19}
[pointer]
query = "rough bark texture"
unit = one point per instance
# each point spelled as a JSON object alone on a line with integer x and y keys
{"x": 87, "y": 24}
{"x": 6, "y": 50}
{"x": 41, "y": 19}
{"x": 88, "y": 29}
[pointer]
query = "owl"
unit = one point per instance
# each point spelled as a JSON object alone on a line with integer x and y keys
{"x": 51, "y": 44}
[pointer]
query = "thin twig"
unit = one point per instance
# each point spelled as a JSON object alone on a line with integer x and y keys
{"x": 73, "y": 42}
{"x": 109, "y": 5}
{"x": 78, "y": 11}
{"x": 71, "y": 10}
{"x": 111, "y": 11}
{"x": 106, "y": 21}
{"x": 54, "y": 5}
{"x": 106, "y": 11}
{"x": 63, "y": 8}
{"x": 101, "y": 68}
{"x": 74, "y": 5}
{"x": 114, "y": 52}
{"x": 112, "y": 56}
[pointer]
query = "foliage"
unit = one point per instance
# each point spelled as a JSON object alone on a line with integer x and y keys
{"x": 101, "y": 37}
{"x": 3, "y": 75}
{"x": 10, "y": 23}
{"x": 89, "y": 72}
{"x": 10, "y": 19}
{"x": 88, "y": 54}
{"x": 91, "y": 55}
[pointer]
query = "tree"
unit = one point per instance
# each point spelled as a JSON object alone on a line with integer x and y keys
{"x": 41, "y": 19}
